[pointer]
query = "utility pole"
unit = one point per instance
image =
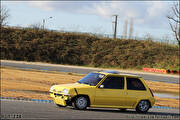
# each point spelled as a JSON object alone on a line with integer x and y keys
{"x": 43, "y": 24}
{"x": 115, "y": 26}
{"x": 44, "y": 20}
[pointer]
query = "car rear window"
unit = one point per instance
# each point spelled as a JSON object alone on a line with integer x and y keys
{"x": 134, "y": 84}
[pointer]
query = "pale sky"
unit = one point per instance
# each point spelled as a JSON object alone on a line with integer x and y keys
{"x": 149, "y": 17}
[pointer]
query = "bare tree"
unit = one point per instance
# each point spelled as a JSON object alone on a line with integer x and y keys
{"x": 131, "y": 29}
{"x": 4, "y": 16}
{"x": 36, "y": 26}
{"x": 148, "y": 37}
{"x": 174, "y": 21}
{"x": 125, "y": 29}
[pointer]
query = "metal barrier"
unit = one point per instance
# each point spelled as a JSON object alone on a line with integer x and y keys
{"x": 161, "y": 70}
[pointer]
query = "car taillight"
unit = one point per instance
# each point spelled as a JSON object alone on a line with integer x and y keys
{"x": 151, "y": 92}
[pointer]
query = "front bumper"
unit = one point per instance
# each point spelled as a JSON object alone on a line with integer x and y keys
{"x": 60, "y": 99}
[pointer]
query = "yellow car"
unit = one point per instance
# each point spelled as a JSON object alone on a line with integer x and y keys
{"x": 105, "y": 89}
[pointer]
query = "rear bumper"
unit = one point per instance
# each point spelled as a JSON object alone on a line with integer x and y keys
{"x": 60, "y": 99}
{"x": 152, "y": 101}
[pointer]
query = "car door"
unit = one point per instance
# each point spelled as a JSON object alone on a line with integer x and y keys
{"x": 111, "y": 92}
{"x": 135, "y": 90}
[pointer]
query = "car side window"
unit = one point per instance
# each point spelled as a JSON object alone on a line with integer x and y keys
{"x": 114, "y": 83}
{"x": 135, "y": 84}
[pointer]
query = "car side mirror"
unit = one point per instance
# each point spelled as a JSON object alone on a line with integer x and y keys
{"x": 101, "y": 86}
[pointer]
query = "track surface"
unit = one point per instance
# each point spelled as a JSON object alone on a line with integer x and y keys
{"x": 85, "y": 70}
{"x": 33, "y": 110}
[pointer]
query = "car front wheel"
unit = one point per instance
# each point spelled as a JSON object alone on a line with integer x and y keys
{"x": 143, "y": 106}
{"x": 80, "y": 103}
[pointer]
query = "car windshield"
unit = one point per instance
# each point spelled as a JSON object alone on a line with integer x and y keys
{"x": 91, "y": 79}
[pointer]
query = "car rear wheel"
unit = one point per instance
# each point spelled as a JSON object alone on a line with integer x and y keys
{"x": 80, "y": 103}
{"x": 143, "y": 106}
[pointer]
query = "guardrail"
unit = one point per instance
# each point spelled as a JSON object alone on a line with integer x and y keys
{"x": 161, "y": 70}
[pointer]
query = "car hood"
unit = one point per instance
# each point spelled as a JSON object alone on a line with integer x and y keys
{"x": 67, "y": 86}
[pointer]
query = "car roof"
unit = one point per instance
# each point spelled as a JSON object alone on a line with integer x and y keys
{"x": 113, "y": 72}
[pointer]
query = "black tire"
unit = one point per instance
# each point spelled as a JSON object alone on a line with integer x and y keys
{"x": 60, "y": 105}
{"x": 143, "y": 106}
{"x": 80, "y": 103}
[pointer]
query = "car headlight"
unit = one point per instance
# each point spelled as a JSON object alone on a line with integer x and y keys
{"x": 65, "y": 91}
{"x": 51, "y": 89}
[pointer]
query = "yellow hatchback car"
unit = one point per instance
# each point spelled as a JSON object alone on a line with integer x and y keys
{"x": 105, "y": 89}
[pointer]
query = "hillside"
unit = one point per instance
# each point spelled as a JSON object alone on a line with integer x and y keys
{"x": 85, "y": 49}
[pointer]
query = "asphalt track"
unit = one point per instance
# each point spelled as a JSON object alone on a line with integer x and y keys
{"x": 11, "y": 109}
{"x": 86, "y": 70}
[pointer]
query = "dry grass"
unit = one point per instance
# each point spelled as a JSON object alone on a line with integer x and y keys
{"x": 167, "y": 102}
{"x": 163, "y": 87}
{"x": 35, "y": 84}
